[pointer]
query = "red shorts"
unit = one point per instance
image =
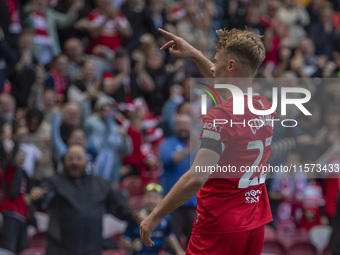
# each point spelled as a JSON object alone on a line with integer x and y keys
{"x": 242, "y": 243}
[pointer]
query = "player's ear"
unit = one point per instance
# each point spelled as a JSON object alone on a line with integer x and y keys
{"x": 231, "y": 66}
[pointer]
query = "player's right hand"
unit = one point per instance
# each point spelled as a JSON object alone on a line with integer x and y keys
{"x": 177, "y": 46}
{"x": 146, "y": 227}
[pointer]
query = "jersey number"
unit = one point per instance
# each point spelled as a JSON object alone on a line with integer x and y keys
{"x": 245, "y": 180}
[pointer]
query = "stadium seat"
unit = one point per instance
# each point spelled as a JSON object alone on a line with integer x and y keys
{"x": 136, "y": 202}
{"x": 319, "y": 236}
{"x": 269, "y": 233}
{"x": 304, "y": 248}
{"x": 115, "y": 252}
{"x": 37, "y": 240}
{"x": 133, "y": 185}
{"x": 33, "y": 251}
{"x": 273, "y": 248}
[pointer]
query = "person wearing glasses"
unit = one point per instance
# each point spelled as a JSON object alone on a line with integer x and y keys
{"x": 153, "y": 194}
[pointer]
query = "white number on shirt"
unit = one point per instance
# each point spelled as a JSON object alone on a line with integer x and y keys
{"x": 245, "y": 180}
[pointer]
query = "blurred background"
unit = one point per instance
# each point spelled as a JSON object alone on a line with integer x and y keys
{"x": 90, "y": 72}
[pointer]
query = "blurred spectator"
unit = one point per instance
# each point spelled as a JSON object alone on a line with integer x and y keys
{"x": 124, "y": 84}
{"x": 162, "y": 78}
{"x": 295, "y": 18}
{"x": 158, "y": 12}
{"x": 70, "y": 119}
{"x": 309, "y": 126}
{"x": 45, "y": 21}
{"x": 138, "y": 15}
{"x": 7, "y": 108}
{"x": 177, "y": 95}
{"x": 23, "y": 73}
{"x": 107, "y": 28}
{"x": 328, "y": 93}
{"x": 85, "y": 89}
{"x": 142, "y": 161}
{"x": 73, "y": 29}
{"x": 46, "y": 104}
{"x": 32, "y": 154}
{"x": 76, "y": 136}
{"x": 251, "y": 20}
{"x": 313, "y": 10}
{"x": 175, "y": 156}
{"x": 7, "y": 56}
{"x": 312, "y": 202}
{"x": 323, "y": 34}
{"x": 195, "y": 25}
{"x": 74, "y": 50}
{"x": 152, "y": 196}
{"x": 37, "y": 90}
{"x": 109, "y": 139}
{"x": 6, "y": 142}
{"x": 275, "y": 32}
{"x": 58, "y": 79}
{"x": 304, "y": 62}
{"x": 11, "y": 20}
{"x": 329, "y": 132}
{"x": 15, "y": 205}
{"x": 330, "y": 181}
{"x": 287, "y": 193}
{"x": 76, "y": 204}
{"x": 40, "y": 135}
{"x": 235, "y": 11}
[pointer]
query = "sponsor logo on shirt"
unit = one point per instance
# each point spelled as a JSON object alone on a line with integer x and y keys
{"x": 252, "y": 196}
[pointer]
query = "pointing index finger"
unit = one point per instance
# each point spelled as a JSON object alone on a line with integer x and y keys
{"x": 167, "y": 34}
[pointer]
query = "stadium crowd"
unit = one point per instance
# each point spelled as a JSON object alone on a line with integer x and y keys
{"x": 90, "y": 73}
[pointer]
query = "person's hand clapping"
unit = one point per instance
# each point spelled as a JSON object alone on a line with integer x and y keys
{"x": 37, "y": 193}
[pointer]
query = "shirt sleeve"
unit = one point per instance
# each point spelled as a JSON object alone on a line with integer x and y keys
{"x": 214, "y": 128}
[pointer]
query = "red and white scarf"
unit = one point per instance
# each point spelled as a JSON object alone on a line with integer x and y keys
{"x": 14, "y": 20}
{"x": 40, "y": 25}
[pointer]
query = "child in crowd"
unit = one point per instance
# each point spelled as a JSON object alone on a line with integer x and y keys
{"x": 152, "y": 196}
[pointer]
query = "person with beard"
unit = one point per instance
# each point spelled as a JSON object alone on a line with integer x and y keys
{"x": 76, "y": 203}
{"x": 175, "y": 156}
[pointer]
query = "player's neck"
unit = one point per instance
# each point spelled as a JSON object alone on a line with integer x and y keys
{"x": 243, "y": 84}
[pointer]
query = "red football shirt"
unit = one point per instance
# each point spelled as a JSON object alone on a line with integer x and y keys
{"x": 109, "y": 35}
{"x": 236, "y": 201}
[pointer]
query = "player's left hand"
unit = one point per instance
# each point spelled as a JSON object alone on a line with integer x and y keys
{"x": 146, "y": 227}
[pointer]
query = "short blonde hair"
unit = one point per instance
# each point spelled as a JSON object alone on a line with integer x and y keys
{"x": 246, "y": 45}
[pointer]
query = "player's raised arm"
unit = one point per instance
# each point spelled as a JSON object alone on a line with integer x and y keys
{"x": 180, "y": 48}
{"x": 182, "y": 191}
